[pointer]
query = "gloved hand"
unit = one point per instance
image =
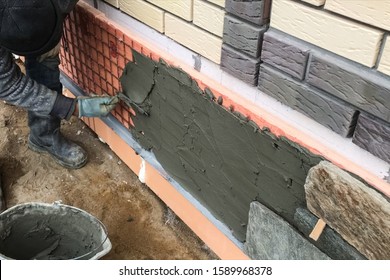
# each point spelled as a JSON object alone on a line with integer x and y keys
{"x": 96, "y": 106}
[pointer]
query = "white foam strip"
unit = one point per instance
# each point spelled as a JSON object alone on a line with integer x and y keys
{"x": 142, "y": 172}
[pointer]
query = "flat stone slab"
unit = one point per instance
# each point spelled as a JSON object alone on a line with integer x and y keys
{"x": 269, "y": 237}
{"x": 329, "y": 242}
{"x": 360, "y": 214}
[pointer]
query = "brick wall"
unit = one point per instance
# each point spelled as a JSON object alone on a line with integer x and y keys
{"x": 98, "y": 50}
{"x": 196, "y": 24}
{"x": 330, "y": 59}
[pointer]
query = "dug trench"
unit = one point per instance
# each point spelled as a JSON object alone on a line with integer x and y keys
{"x": 140, "y": 226}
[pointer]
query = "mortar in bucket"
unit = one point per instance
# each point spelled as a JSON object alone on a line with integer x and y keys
{"x": 51, "y": 231}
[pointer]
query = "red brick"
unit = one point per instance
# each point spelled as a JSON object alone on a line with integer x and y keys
{"x": 128, "y": 53}
{"x": 111, "y": 29}
{"x": 106, "y": 50}
{"x": 137, "y": 47}
{"x": 116, "y": 84}
{"x": 97, "y": 32}
{"x": 103, "y": 84}
{"x": 95, "y": 66}
{"x": 100, "y": 60}
{"x": 155, "y": 57}
{"x": 102, "y": 72}
{"x": 104, "y": 37}
{"x": 128, "y": 41}
{"x": 121, "y": 62}
{"x": 114, "y": 70}
{"x": 119, "y": 34}
{"x": 107, "y": 63}
{"x": 120, "y": 48}
{"x": 108, "y": 77}
{"x": 99, "y": 47}
{"x": 146, "y": 52}
{"x": 113, "y": 49}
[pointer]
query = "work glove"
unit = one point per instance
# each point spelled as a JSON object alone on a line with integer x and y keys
{"x": 96, "y": 106}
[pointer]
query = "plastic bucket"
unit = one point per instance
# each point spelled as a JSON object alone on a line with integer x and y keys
{"x": 51, "y": 231}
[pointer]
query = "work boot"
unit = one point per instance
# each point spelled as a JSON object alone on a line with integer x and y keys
{"x": 45, "y": 136}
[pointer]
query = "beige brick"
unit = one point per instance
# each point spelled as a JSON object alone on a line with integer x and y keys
{"x": 341, "y": 36}
{"x": 315, "y": 2}
{"x": 209, "y": 17}
{"x": 189, "y": 35}
{"x": 220, "y": 3}
{"x": 145, "y": 12}
{"x": 181, "y": 8}
{"x": 115, "y": 3}
{"x": 376, "y": 13}
{"x": 384, "y": 65}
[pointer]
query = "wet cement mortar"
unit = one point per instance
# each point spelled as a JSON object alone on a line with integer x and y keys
{"x": 223, "y": 159}
{"x": 140, "y": 226}
{"x": 43, "y": 231}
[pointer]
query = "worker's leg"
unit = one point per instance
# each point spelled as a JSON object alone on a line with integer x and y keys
{"x": 45, "y": 135}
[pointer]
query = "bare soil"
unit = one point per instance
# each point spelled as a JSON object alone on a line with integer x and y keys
{"x": 140, "y": 226}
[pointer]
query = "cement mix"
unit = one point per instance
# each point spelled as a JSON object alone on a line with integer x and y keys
{"x": 44, "y": 231}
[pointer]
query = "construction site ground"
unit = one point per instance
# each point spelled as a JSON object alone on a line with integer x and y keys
{"x": 139, "y": 224}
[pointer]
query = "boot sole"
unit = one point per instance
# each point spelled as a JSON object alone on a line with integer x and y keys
{"x": 38, "y": 149}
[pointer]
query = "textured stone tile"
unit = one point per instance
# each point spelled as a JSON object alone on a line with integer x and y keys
{"x": 353, "y": 83}
{"x": 240, "y": 65}
{"x": 285, "y": 53}
{"x": 384, "y": 63}
{"x": 145, "y": 12}
{"x": 360, "y": 214}
{"x": 269, "y": 237}
{"x": 329, "y": 242}
{"x": 339, "y": 35}
{"x": 373, "y": 136}
{"x": 182, "y": 8}
{"x": 315, "y": 2}
{"x": 243, "y": 36}
{"x": 328, "y": 111}
{"x": 253, "y": 11}
{"x": 200, "y": 41}
{"x": 220, "y": 3}
{"x": 375, "y": 13}
{"x": 115, "y": 3}
{"x": 203, "y": 12}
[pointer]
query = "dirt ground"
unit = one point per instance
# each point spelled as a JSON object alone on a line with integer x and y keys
{"x": 140, "y": 226}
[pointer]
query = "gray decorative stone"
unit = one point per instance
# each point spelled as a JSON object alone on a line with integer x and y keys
{"x": 240, "y": 65}
{"x": 373, "y": 135}
{"x": 254, "y": 11}
{"x": 329, "y": 242}
{"x": 360, "y": 214}
{"x": 328, "y": 111}
{"x": 243, "y": 36}
{"x": 354, "y": 83}
{"x": 285, "y": 53}
{"x": 269, "y": 237}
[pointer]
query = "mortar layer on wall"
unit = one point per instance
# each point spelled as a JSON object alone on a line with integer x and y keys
{"x": 223, "y": 159}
